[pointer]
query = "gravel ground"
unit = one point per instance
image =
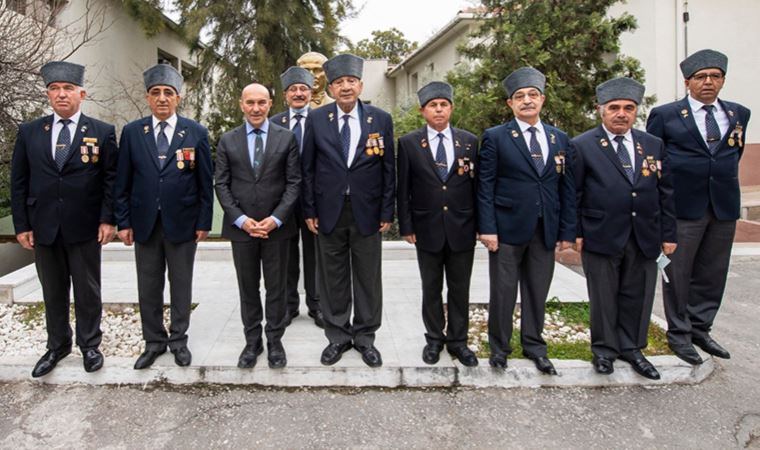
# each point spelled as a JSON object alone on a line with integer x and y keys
{"x": 22, "y": 331}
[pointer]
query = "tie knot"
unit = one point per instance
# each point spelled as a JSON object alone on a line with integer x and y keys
{"x": 257, "y": 131}
{"x": 163, "y": 125}
{"x": 65, "y": 122}
{"x": 298, "y": 117}
{"x": 345, "y": 118}
{"x": 532, "y": 130}
{"x": 619, "y": 139}
{"x": 708, "y": 108}
{"x": 441, "y": 136}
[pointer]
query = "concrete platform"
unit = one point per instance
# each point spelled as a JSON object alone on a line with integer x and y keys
{"x": 216, "y": 337}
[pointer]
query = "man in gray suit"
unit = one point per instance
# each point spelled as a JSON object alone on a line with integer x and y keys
{"x": 258, "y": 180}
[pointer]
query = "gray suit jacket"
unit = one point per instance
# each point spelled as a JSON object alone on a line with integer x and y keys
{"x": 273, "y": 193}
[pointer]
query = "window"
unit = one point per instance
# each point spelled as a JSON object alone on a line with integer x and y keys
{"x": 167, "y": 58}
{"x": 414, "y": 82}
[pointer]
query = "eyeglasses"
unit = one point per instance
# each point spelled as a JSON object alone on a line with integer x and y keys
{"x": 703, "y": 76}
{"x": 521, "y": 96}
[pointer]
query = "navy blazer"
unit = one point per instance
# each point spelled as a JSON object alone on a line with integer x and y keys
{"x": 183, "y": 194}
{"x": 610, "y": 207}
{"x": 436, "y": 211}
{"x": 700, "y": 179}
{"x": 371, "y": 176}
{"x": 511, "y": 192}
{"x": 74, "y": 201}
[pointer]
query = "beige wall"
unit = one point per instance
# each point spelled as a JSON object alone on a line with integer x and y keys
{"x": 115, "y": 61}
{"x": 378, "y": 89}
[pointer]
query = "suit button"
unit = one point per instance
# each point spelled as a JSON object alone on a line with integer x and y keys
{"x": 160, "y": 180}
{"x": 445, "y": 208}
{"x": 633, "y": 194}
{"x": 444, "y": 188}
{"x": 60, "y": 200}
{"x": 633, "y": 214}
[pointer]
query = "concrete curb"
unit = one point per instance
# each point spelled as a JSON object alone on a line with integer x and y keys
{"x": 520, "y": 374}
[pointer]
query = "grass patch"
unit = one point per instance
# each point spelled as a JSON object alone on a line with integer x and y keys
{"x": 572, "y": 315}
{"x": 32, "y": 314}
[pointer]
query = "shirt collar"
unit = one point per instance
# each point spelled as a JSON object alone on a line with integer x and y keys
{"x": 354, "y": 112}
{"x": 303, "y": 111}
{"x": 264, "y": 127}
{"x": 627, "y": 137}
{"x": 74, "y": 118}
{"x": 696, "y": 105}
{"x": 171, "y": 121}
{"x": 433, "y": 134}
{"x": 525, "y": 125}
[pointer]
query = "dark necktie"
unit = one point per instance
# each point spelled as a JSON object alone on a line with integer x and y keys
{"x": 711, "y": 128}
{"x": 63, "y": 144}
{"x": 162, "y": 144}
{"x": 297, "y": 130}
{"x": 624, "y": 157}
{"x": 441, "y": 165}
{"x": 535, "y": 151}
{"x": 345, "y": 137}
{"x": 258, "y": 151}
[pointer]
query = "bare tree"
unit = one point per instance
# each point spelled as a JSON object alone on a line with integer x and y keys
{"x": 30, "y": 36}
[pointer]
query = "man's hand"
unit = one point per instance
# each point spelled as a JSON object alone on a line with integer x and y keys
{"x": 578, "y": 244}
{"x": 385, "y": 226}
{"x": 26, "y": 239}
{"x": 127, "y": 236}
{"x": 106, "y": 233}
{"x": 669, "y": 247}
{"x": 267, "y": 225}
{"x": 490, "y": 241}
{"x": 564, "y": 245}
{"x": 412, "y": 238}
{"x": 200, "y": 235}
{"x": 313, "y": 224}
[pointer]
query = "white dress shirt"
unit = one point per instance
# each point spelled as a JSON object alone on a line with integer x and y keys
{"x": 171, "y": 126}
{"x": 699, "y": 117}
{"x": 540, "y": 136}
{"x": 448, "y": 144}
{"x": 355, "y": 127}
{"x": 627, "y": 143}
{"x": 58, "y": 126}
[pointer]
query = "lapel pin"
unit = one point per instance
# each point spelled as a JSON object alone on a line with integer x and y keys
{"x": 146, "y": 129}
{"x": 423, "y": 143}
{"x": 553, "y": 138}
{"x": 181, "y": 133}
{"x": 47, "y": 127}
{"x": 514, "y": 133}
{"x": 83, "y": 129}
{"x": 730, "y": 113}
{"x": 331, "y": 116}
{"x": 369, "y": 119}
{"x": 457, "y": 144}
{"x": 685, "y": 113}
{"x": 604, "y": 142}
{"x": 284, "y": 119}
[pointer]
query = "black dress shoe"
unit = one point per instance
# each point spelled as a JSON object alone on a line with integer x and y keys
{"x": 603, "y": 365}
{"x": 431, "y": 353}
{"x": 182, "y": 356}
{"x": 147, "y": 358}
{"x": 319, "y": 319}
{"x": 333, "y": 352}
{"x": 641, "y": 365}
{"x": 543, "y": 364}
{"x": 92, "y": 359}
{"x": 48, "y": 361}
{"x": 276, "y": 355}
{"x": 464, "y": 355}
{"x": 709, "y": 345}
{"x": 248, "y": 356}
{"x": 371, "y": 356}
{"x": 498, "y": 361}
{"x": 687, "y": 353}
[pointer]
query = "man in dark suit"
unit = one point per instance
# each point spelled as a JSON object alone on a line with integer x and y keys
{"x": 62, "y": 175}
{"x": 348, "y": 195}
{"x": 704, "y": 139}
{"x": 436, "y": 212}
{"x": 526, "y": 204}
{"x": 625, "y": 219}
{"x": 258, "y": 180}
{"x": 163, "y": 203}
{"x": 297, "y": 83}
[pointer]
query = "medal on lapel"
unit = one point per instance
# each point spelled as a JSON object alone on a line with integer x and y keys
{"x": 559, "y": 162}
{"x": 373, "y": 144}
{"x": 460, "y": 166}
{"x": 85, "y": 156}
{"x": 604, "y": 142}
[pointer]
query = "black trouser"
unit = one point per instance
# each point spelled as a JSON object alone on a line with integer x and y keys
{"x": 310, "y": 284}
{"x": 531, "y": 265}
{"x": 458, "y": 269}
{"x": 621, "y": 293}
{"x": 58, "y": 267}
{"x": 697, "y": 276}
{"x": 349, "y": 267}
{"x": 152, "y": 259}
{"x": 249, "y": 257}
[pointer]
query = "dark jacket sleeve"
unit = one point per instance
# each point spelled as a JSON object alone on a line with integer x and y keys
{"x": 20, "y": 184}
{"x": 205, "y": 179}
{"x": 111, "y": 153}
